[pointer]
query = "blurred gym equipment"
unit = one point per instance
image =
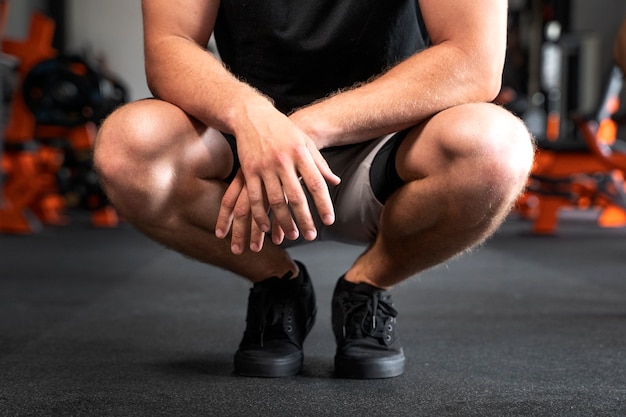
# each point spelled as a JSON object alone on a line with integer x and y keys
{"x": 580, "y": 163}
{"x": 55, "y": 107}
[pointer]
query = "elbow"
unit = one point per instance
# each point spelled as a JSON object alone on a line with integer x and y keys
{"x": 478, "y": 69}
{"x": 490, "y": 72}
{"x": 152, "y": 87}
{"x": 492, "y": 88}
{"x": 488, "y": 82}
{"x": 483, "y": 73}
{"x": 154, "y": 67}
{"x": 152, "y": 80}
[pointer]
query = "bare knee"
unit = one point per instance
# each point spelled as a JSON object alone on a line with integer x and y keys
{"x": 495, "y": 169}
{"x": 117, "y": 154}
{"x": 122, "y": 139}
{"x": 150, "y": 156}
{"x": 481, "y": 152}
{"x": 135, "y": 156}
{"x": 506, "y": 153}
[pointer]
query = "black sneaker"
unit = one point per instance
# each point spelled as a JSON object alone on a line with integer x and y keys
{"x": 281, "y": 312}
{"x": 364, "y": 324}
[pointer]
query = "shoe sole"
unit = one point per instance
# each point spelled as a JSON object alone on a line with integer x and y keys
{"x": 369, "y": 369}
{"x": 268, "y": 367}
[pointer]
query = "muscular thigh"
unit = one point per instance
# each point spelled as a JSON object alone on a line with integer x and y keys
{"x": 472, "y": 132}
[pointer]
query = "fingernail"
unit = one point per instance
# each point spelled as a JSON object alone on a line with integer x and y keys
{"x": 236, "y": 249}
{"x": 254, "y": 247}
{"x": 293, "y": 235}
{"x": 310, "y": 235}
{"x": 329, "y": 219}
{"x": 219, "y": 233}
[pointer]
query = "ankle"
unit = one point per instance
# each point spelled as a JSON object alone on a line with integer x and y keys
{"x": 286, "y": 269}
{"x": 353, "y": 277}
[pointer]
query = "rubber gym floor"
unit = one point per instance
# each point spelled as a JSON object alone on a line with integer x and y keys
{"x": 105, "y": 322}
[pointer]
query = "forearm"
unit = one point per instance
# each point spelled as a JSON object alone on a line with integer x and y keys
{"x": 180, "y": 71}
{"x": 402, "y": 97}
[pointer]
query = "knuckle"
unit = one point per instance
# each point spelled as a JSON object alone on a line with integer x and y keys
{"x": 251, "y": 166}
{"x": 240, "y": 212}
{"x": 228, "y": 201}
{"x": 316, "y": 185}
{"x": 255, "y": 198}
{"x": 301, "y": 151}
{"x": 297, "y": 199}
{"x": 281, "y": 159}
{"x": 278, "y": 206}
{"x": 276, "y": 200}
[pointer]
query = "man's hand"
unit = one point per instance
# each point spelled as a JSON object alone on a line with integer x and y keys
{"x": 277, "y": 158}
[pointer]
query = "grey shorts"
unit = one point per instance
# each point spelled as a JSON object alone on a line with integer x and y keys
{"x": 368, "y": 177}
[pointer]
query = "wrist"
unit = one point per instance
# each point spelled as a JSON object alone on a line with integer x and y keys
{"x": 248, "y": 106}
{"x": 314, "y": 126}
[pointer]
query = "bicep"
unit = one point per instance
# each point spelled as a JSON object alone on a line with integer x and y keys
{"x": 189, "y": 19}
{"x": 476, "y": 26}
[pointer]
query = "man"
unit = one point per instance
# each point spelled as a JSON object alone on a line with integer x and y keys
{"x": 358, "y": 120}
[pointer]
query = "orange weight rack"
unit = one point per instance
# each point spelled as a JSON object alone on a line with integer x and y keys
{"x": 30, "y": 197}
{"x": 592, "y": 178}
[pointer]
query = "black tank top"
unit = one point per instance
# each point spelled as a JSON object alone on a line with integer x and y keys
{"x": 297, "y": 51}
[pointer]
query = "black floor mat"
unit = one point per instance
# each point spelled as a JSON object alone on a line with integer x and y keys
{"x": 105, "y": 322}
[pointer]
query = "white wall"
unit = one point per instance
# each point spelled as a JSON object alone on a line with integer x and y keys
{"x": 112, "y": 29}
{"x": 18, "y": 21}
